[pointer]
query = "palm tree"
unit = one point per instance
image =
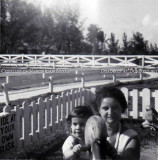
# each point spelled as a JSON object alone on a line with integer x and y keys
{"x": 92, "y": 37}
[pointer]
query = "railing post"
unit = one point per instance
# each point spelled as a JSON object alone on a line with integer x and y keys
{"x": 63, "y": 61}
{"x": 141, "y": 76}
{"x": 22, "y": 58}
{"x": 5, "y": 93}
{"x": 143, "y": 61}
{"x": 7, "y": 79}
{"x": 43, "y": 76}
{"x": 108, "y": 60}
{"x": 125, "y": 60}
{"x": 114, "y": 78}
{"x": 51, "y": 84}
{"x": 93, "y": 61}
{"x": 76, "y": 74}
{"x": 49, "y": 60}
{"x": 78, "y": 60}
{"x": 35, "y": 60}
{"x": 82, "y": 80}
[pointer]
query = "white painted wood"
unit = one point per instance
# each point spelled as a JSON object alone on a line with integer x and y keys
{"x": 73, "y": 99}
{"x": 34, "y": 121}
{"x": 41, "y": 119}
{"x": 26, "y": 123}
{"x": 53, "y": 115}
{"x": 5, "y": 93}
{"x": 51, "y": 84}
{"x": 135, "y": 103}
{"x": 146, "y": 97}
{"x": 68, "y": 106}
{"x": 156, "y": 100}
{"x": 47, "y": 116}
{"x": 37, "y": 120}
{"x": 126, "y": 94}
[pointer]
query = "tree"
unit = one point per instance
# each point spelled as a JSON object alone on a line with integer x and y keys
{"x": 92, "y": 37}
{"x": 125, "y": 47}
{"x": 138, "y": 44}
{"x": 153, "y": 49}
{"x": 113, "y": 45}
{"x": 68, "y": 32}
{"x": 18, "y": 24}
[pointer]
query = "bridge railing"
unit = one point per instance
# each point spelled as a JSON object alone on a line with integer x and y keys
{"x": 78, "y": 60}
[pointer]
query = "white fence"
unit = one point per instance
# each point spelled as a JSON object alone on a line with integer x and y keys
{"x": 36, "y": 120}
{"x": 75, "y": 80}
{"x": 138, "y": 100}
{"x": 78, "y": 60}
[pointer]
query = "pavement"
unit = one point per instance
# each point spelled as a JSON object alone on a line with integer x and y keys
{"x": 32, "y": 92}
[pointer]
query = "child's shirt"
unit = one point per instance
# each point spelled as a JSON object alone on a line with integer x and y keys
{"x": 67, "y": 149}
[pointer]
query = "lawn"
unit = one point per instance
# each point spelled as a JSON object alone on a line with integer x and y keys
{"x": 52, "y": 147}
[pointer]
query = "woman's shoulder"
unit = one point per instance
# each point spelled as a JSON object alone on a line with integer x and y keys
{"x": 128, "y": 131}
{"x": 127, "y": 136}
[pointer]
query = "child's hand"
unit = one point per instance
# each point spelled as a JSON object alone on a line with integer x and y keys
{"x": 77, "y": 149}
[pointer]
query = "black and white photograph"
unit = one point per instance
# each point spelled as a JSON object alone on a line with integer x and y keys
{"x": 79, "y": 79}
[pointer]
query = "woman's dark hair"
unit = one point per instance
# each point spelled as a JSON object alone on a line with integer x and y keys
{"x": 113, "y": 93}
{"x": 80, "y": 112}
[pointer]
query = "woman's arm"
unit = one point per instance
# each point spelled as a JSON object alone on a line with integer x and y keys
{"x": 132, "y": 150}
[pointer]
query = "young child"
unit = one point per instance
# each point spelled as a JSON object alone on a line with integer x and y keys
{"x": 73, "y": 146}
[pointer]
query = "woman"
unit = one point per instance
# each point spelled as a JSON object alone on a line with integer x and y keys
{"x": 111, "y": 103}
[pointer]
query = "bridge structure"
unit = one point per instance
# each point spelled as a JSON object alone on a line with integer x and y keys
{"x": 78, "y": 60}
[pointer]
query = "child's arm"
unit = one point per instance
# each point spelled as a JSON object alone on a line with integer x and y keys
{"x": 69, "y": 148}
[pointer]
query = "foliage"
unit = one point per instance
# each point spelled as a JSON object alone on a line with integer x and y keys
{"x": 27, "y": 28}
{"x": 138, "y": 44}
{"x": 68, "y": 30}
{"x": 92, "y": 37}
{"x": 17, "y": 23}
{"x": 113, "y": 45}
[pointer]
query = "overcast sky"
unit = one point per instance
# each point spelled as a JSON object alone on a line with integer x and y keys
{"x": 119, "y": 16}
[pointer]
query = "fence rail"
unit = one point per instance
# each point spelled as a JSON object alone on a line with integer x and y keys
{"x": 78, "y": 60}
{"x": 49, "y": 82}
{"x": 38, "y": 119}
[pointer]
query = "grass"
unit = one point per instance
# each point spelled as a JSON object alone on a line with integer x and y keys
{"x": 50, "y": 147}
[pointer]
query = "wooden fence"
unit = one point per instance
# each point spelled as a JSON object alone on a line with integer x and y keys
{"x": 77, "y": 79}
{"x": 78, "y": 60}
{"x": 36, "y": 120}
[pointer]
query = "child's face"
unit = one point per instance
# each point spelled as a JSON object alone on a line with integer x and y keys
{"x": 78, "y": 126}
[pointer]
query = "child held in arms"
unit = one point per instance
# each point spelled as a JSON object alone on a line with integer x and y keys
{"x": 73, "y": 146}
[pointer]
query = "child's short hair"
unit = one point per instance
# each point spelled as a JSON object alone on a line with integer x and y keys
{"x": 80, "y": 112}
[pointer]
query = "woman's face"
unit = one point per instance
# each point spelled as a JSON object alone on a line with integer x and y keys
{"x": 110, "y": 110}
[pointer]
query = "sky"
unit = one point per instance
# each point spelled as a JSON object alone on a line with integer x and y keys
{"x": 118, "y": 16}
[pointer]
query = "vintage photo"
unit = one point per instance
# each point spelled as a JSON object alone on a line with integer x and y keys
{"x": 79, "y": 79}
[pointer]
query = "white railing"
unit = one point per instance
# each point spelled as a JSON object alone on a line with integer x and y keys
{"x": 38, "y": 119}
{"x": 77, "y": 79}
{"x": 78, "y": 60}
{"x": 138, "y": 100}
{"x": 45, "y": 117}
